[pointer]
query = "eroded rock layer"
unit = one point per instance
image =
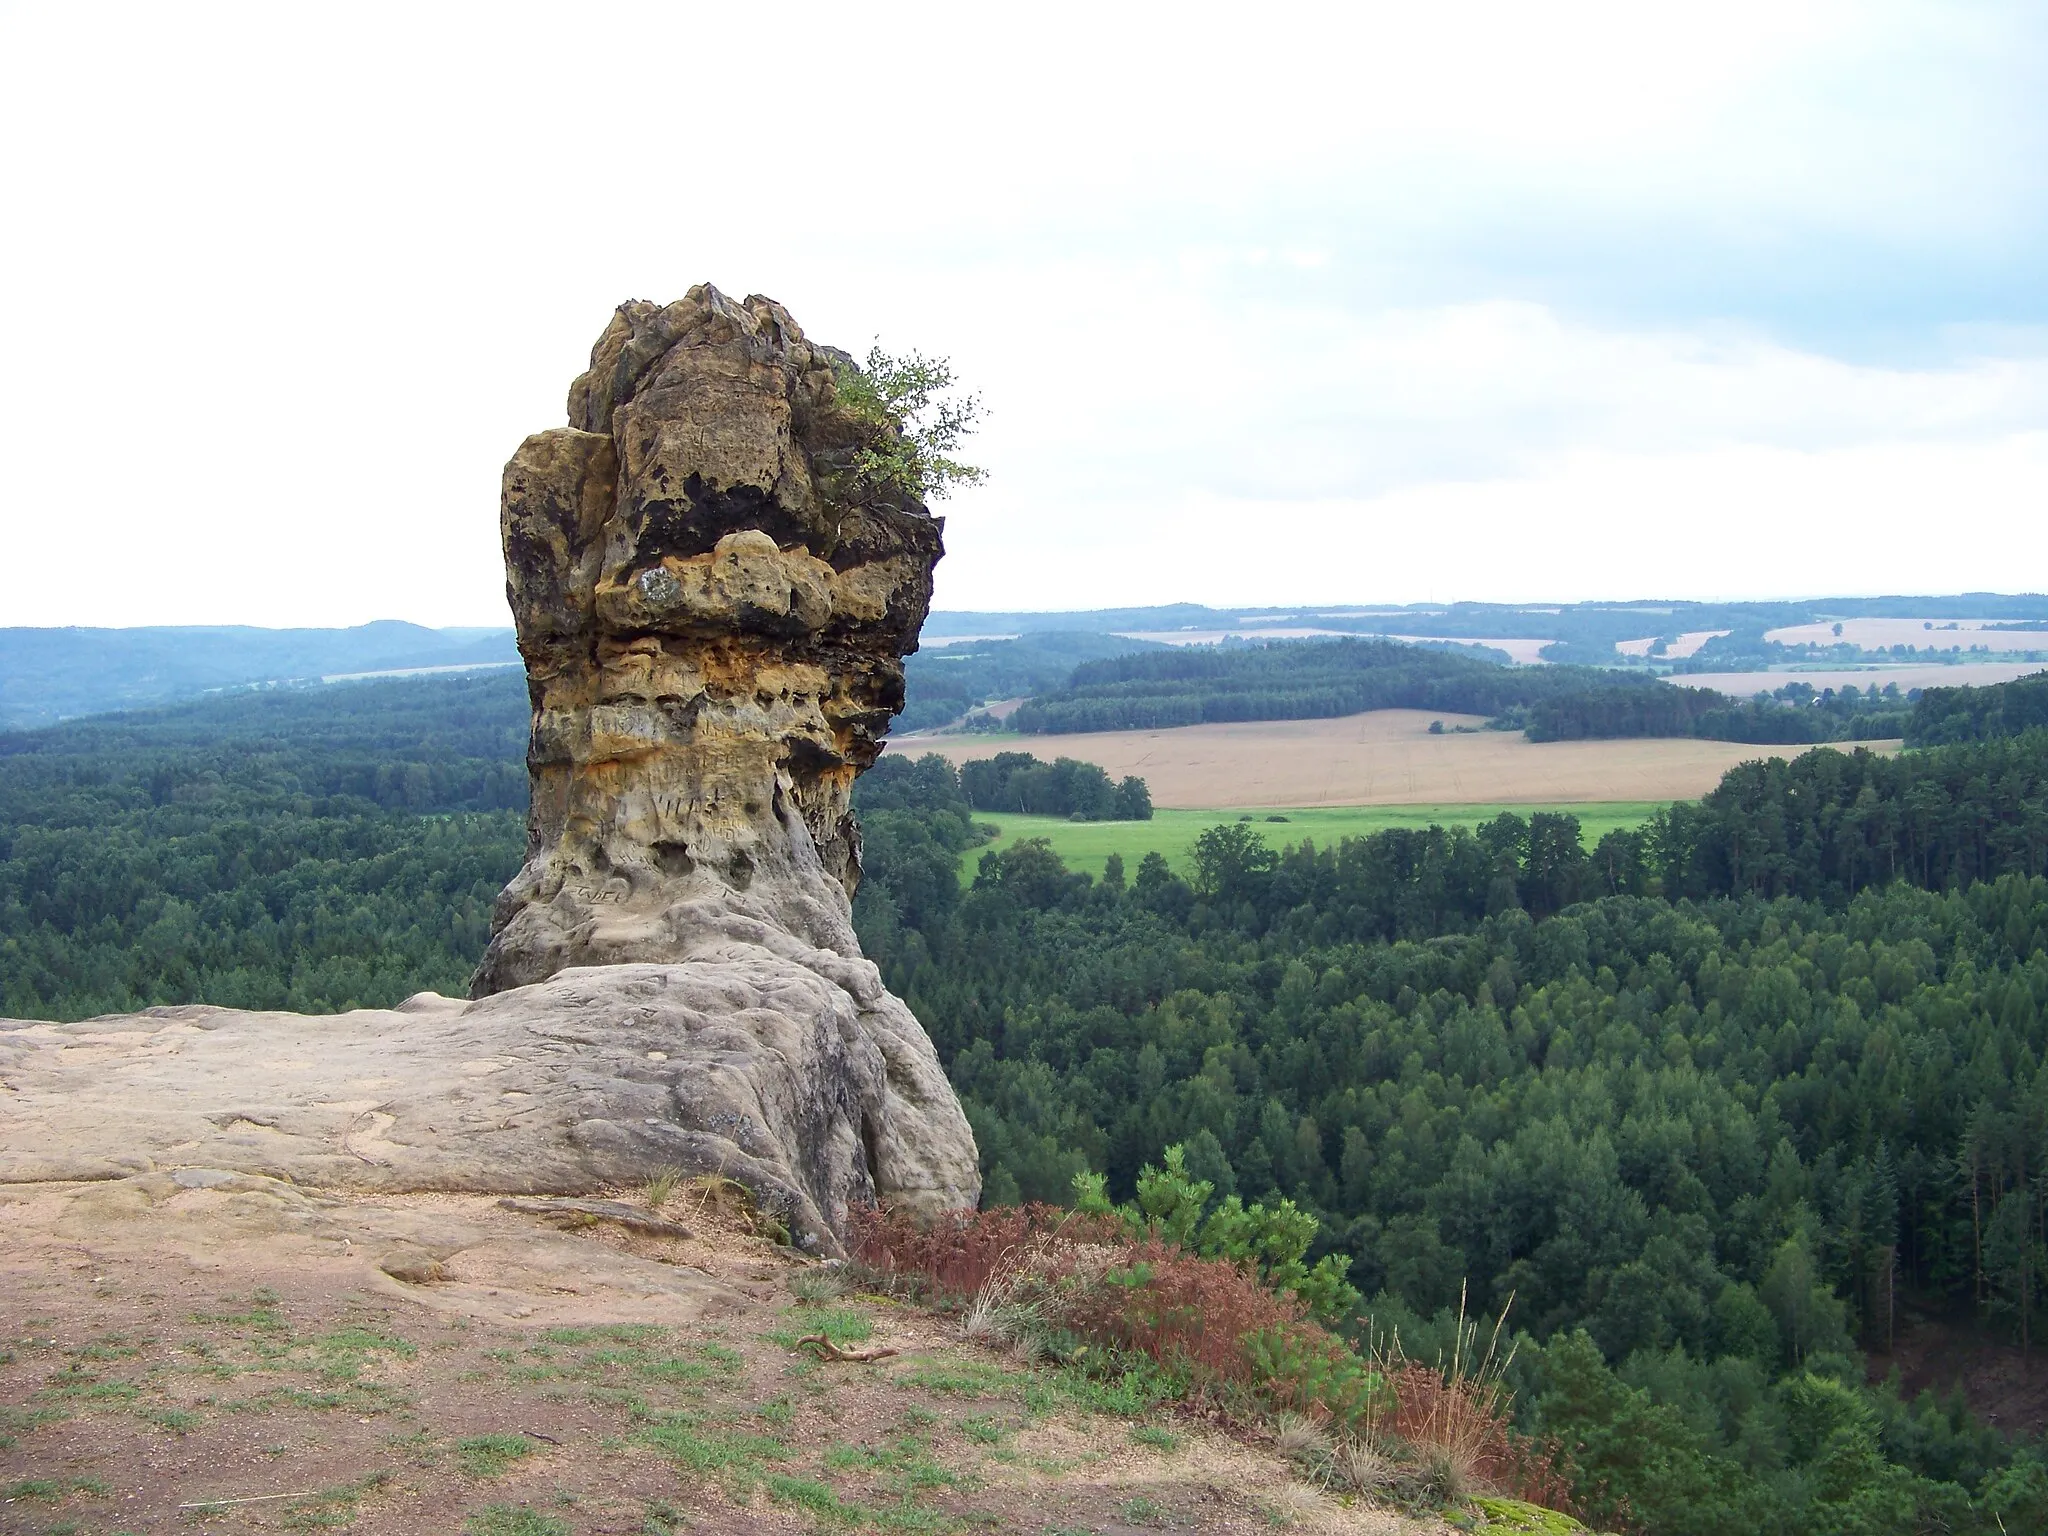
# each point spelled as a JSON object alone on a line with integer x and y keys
{"x": 713, "y": 610}
{"x": 713, "y": 631}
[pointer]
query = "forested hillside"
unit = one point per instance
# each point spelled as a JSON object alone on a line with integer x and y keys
{"x": 47, "y": 675}
{"x": 944, "y": 682}
{"x": 1321, "y": 678}
{"x": 1711, "y": 1148}
{"x": 312, "y": 850}
{"x": 1945, "y": 715}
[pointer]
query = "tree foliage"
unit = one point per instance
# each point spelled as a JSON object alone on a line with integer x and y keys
{"x": 913, "y": 427}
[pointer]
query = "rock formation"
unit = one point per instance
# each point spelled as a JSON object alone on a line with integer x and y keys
{"x": 713, "y": 604}
{"x": 714, "y": 608}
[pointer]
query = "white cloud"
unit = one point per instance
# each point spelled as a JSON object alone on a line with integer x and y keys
{"x": 284, "y": 287}
{"x": 1737, "y": 522}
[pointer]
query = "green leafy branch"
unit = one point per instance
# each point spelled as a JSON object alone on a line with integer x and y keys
{"x": 914, "y": 428}
{"x": 1272, "y": 1239}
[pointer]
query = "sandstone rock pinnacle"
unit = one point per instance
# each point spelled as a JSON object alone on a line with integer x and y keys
{"x": 713, "y": 616}
{"x": 713, "y": 637}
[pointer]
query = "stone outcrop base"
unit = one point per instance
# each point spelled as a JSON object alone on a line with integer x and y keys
{"x": 808, "y": 1083}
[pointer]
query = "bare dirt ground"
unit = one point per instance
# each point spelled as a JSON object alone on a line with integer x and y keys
{"x": 206, "y": 1351}
{"x": 1387, "y": 757}
{"x": 2002, "y": 1382}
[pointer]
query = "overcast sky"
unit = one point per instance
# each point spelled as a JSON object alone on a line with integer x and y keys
{"x": 1268, "y": 304}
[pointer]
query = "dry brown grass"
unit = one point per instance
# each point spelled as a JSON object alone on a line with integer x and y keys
{"x": 1454, "y": 1418}
{"x": 1379, "y": 1424}
{"x": 1386, "y": 757}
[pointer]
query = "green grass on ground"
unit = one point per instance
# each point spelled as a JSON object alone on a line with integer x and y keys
{"x": 1085, "y": 845}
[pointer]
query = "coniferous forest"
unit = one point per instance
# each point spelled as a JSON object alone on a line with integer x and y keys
{"x": 1709, "y": 1152}
{"x": 1720, "y": 1110}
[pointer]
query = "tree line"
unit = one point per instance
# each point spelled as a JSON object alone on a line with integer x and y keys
{"x": 1943, "y": 716}
{"x": 313, "y": 850}
{"x": 1300, "y": 680}
{"x": 1316, "y": 679}
{"x": 1792, "y": 715}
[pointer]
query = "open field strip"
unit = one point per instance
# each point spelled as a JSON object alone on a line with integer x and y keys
{"x": 1085, "y": 845}
{"x": 1384, "y": 758}
{"x": 1931, "y": 674}
{"x": 1936, "y": 634}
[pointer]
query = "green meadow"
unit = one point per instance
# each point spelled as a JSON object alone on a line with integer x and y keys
{"x": 1086, "y": 845}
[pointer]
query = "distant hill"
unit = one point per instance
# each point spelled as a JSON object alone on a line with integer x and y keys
{"x": 1461, "y": 620}
{"x": 47, "y": 675}
{"x": 947, "y": 679}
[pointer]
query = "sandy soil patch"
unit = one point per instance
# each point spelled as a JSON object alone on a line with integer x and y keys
{"x": 172, "y": 1348}
{"x": 1386, "y": 757}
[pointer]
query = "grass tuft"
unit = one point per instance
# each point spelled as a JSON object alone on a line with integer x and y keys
{"x": 513, "y": 1520}
{"x": 661, "y": 1187}
{"x": 491, "y": 1455}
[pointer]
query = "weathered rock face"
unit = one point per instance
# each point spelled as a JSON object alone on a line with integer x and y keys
{"x": 759, "y": 1066}
{"x": 714, "y": 624}
{"x": 713, "y": 638}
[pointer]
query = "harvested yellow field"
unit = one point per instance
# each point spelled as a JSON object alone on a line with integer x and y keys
{"x": 1926, "y": 634}
{"x": 1386, "y": 757}
{"x": 1933, "y": 674}
{"x": 1524, "y": 650}
{"x": 1683, "y": 645}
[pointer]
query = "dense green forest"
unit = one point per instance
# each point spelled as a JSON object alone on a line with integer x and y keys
{"x": 1792, "y": 715}
{"x": 303, "y": 849}
{"x": 1945, "y": 715}
{"x": 1017, "y": 781}
{"x": 1713, "y": 1147}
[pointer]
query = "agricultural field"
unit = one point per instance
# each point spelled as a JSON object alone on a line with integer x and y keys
{"x": 1684, "y": 645}
{"x": 1383, "y": 758}
{"x": 1933, "y": 674}
{"x": 1524, "y": 650}
{"x": 1086, "y": 845}
{"x": 1924, "y": 634}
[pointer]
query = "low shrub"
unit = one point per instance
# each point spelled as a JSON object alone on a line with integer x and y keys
{"x": 1102, "y": 1288}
